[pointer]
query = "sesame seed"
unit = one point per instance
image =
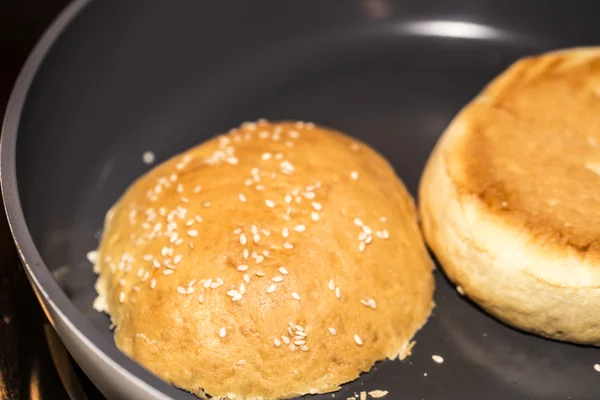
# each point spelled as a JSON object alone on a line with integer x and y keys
{"x": 243, "y": 239}
{"x": 242, "y": 288}
{"x": 295, "y": 295}
{"x": 237, "y": 231}
{"x": 286, "y": 167}
{"x": 245, "y": 253}
{"x": 362, "y": 236}
{"x": 167, "y": 271}
{"x": 266, "y": 232}
{"x": 184, "y": 199}
{"x": 278, "y": 279}
{"x": 361, "y": 246}
{"x": 271, "y": 288}
{"x": 372, "y": 304}
{"x": 277, "y": 342}
{"x": 300, "y": 334}
{"x": 270, "y": 203}
{"x": 190, "y": 290}
{"x": 285, "y": 232}
{"x": 317, "y": 206}
{"x": 181, "y": 290}
{"x": 232, "y": 292}
{"x": 260, "y": 187}
{"x": 358, "y": 222}
{"x": 92, "y": 257}
{"x": 207, "y": 283}
{"x": 331, "y": 285}
{"x": 338, "y": 293}
{"x": 242, "y": 267}
{"x": 299, "y": 328}
{"x": 192, "y": 233}
{"x": 232, "y": 160}
{"x": 266, "y": 156}
{"x": 288, "y": 199}
{"x": 177, "y": 259}
{"x": 206, "y": 204}
{"x": 383, "y": 219}
{"x": 285, "y": 339}
{"x": 152, "y": 283}
{"x": 299, "y": 342}
{"x": 332, "y": 331}
{"x": 304, "y": 348}
{"x": 242, "y": 197}
{"x": 259, "y": 259}
{"x": 237, "y": 297}
{"x": 283, "y": 270}
{"x": 246, "y": 278}
{"x": 358, "y": 340}
{"x": 314, "y": 216}
{"x": 197, "y": 189}
{"x": 241, "y": 363}
{"x": 259, "y": 273}
{"x": 437, "y": 359}
{"x": 300, "y": 228}
{"x": 201, "y": 298}
{"x": 354, "y": 175}
{"x": 222, "y": 332}
{"x": 367, "y": 230}
{"x": 278, "y": 156}
{"x": 248, "y": 182}
{"x": 288, "y": 245}
{"x": 121, "y": 297}
{"x": 292, "y": 347}
{"x": 190, "y": 223}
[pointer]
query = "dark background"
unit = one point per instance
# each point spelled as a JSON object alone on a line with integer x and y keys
{"x": 27, "y": 368}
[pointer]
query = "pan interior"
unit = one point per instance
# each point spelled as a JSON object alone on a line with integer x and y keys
{"x": 164, "y": 78}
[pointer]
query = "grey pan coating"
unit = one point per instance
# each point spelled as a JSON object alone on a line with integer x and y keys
{"x": 110, "y": 80}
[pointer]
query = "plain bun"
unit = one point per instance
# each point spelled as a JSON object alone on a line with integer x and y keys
{"x": 277, "y": 260}
{"x": 510, "y": 197}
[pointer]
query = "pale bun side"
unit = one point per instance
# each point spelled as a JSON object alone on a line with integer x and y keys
{"x": 510, "y": 208}
{"x": 277, "y": 260}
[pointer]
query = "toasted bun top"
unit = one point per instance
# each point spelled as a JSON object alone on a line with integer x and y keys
{"x": 528, "y": 150}
{"x": 273, "y": 261}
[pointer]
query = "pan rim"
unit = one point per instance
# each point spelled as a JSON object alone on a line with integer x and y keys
{"x": 49, "y": 292}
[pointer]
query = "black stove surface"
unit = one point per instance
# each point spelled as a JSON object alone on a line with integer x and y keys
{"x": 33, "y": 362}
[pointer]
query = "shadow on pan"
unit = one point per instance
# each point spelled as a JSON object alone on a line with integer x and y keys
{"x": 111, "y": 80}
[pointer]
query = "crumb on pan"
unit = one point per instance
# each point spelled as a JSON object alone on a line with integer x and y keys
{"x": 437, "y": 359}
{"x": 148, "y": 157}
{"x": 377, "y": 394}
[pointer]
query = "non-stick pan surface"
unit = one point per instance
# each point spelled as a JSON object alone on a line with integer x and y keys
{"x": 113, "y": 79}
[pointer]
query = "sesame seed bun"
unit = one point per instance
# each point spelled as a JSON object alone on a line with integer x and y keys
{"x": 270, "y": 262}
{"x": 510, "y": 196}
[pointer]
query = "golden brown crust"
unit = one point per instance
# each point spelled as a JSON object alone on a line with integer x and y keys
{"x": 531, "y": 149}
{"x": 509, "y": 203}
{"x": 293, "y": 196}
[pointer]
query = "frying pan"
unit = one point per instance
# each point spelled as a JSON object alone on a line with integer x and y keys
{"x": 110, "y": 80}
